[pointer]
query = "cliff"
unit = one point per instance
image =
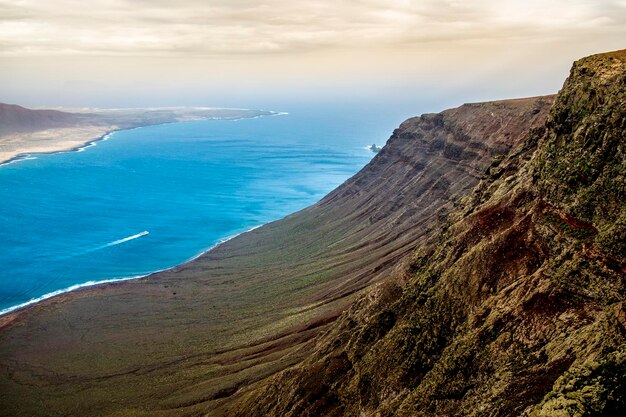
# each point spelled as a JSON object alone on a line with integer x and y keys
{"x": 188, "y": 340}
{"x": 515, "y": 306}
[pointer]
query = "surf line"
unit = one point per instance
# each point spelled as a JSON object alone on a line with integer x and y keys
{"x": 115, "y": 280}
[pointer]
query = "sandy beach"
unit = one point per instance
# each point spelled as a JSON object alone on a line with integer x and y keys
{"x": 27, "y": 134}
{"x": 14, "y": 145}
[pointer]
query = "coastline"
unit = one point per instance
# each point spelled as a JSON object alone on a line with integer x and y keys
{"x": 59, "y": 143}
{"x": 194, "y": 338}
{"x": 55, "y": 146}
{"x": 72, "y": 289}
{"x": 18, "y": 308}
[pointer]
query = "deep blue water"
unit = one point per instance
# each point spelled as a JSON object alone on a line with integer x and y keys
{"x": 65, "y": 217}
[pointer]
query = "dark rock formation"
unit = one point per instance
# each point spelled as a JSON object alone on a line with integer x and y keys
{"x": 516, "y": 307}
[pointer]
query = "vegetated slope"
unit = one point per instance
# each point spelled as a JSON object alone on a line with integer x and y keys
{"x": 516, "y": 307}
{"x": 17, "y": 119}
{"x": 186, "y": 341}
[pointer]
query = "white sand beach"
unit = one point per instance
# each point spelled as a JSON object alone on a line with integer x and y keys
{"x": 49, "y": 140}
{"x": 23, "y": 132}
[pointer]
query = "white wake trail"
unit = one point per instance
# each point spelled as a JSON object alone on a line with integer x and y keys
{"x": 126, "y": 239}
{"x": 115, "y": 242}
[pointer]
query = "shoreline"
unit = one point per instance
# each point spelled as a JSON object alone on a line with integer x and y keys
{"x": 25, "y": 156}
{"x": 33, "y": 155}
{"x": 18, "y": 308}
{"x": 92, "y": 141}
{"x": 94, "y": 284}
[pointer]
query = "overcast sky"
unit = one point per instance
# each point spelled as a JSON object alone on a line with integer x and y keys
{"x": 242, "y": 52}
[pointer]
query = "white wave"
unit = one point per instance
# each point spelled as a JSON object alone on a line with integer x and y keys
{"x": 94, "y": 142}
{"x": 376, "y": 148}
{"x": 108, "y": 281}
{"x": 82, "y": 148}
{"x": 219, "y": 242}
{"x": 65, "y": 290}
{"x": 272, "y": 113}
{"x": 25, "y": 157}
{"x": 115, "y": 242}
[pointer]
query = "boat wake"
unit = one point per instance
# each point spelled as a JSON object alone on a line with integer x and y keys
{"x": 114, "y": 243}
{"x": 126, "y": 239}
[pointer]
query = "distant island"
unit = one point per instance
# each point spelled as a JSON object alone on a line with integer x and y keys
{"x": 26, "y": 131}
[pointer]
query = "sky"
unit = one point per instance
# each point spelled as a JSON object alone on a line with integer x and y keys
{"x": 421, "y": 54}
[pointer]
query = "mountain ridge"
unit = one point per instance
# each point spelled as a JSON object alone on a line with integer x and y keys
{"x": 515, "y": 308}
{"x": 15, "y": 118}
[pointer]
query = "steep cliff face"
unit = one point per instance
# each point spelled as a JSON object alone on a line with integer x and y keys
{"x": 580, "y": 166}
{"x": 194, "y": 339}
{"x": 514, "y": 307}
{"x": 379, "y": 215}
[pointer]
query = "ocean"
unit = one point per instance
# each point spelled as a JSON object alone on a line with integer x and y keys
{"x": 148, "y": 199}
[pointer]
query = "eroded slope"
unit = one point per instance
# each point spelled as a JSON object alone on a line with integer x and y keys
{"x": 515, "y": 308}
{"x": 192, "y": 339}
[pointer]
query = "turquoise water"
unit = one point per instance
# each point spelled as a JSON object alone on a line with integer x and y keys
{"x": 150, "y": 198}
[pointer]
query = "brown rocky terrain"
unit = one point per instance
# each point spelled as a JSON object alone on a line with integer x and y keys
{"x": 515, "y": 307}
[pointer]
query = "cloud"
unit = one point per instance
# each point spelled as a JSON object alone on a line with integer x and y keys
{"x": 242, "y": 27}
